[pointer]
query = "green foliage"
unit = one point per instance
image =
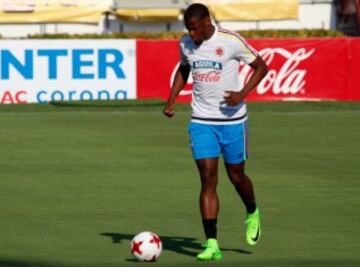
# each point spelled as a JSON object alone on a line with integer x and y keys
{"x": 176, "y": 35}
{"x": 291, "y": 33}
{"x": 129, "y": 35}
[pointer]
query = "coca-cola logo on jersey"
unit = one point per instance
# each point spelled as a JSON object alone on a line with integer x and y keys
{"x": 209, "y": 77}
{"x": 288, "y": 78}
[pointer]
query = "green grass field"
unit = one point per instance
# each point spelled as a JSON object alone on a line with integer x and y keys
{"x": 79, "y": 181}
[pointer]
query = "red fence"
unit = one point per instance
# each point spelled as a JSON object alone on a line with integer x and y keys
{"x": 299, "y": 69}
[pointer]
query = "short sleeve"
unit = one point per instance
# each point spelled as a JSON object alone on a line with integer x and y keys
{"x": 244, "y": 52}
{"x": 183, "y": 58}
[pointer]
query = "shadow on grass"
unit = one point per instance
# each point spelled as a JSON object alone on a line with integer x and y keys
{"x": 16, "y": 263}
{"x": 109, "y": 103}
{"x": 182, "y": 245}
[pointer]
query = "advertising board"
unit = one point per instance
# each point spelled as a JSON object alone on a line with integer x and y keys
{"x": 39, "y": 71}
{"x": 299, "y": 69}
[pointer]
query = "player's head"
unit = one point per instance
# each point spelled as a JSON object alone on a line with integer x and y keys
{"x": 198, "y": 23}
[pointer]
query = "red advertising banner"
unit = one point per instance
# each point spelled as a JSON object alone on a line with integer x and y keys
{"x": 353, "y": 76}
{"x": 299, "y": 69}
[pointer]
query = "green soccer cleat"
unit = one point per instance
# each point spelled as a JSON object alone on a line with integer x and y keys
{"x": 211, "y": 252}
{"x": 253, "y": 230}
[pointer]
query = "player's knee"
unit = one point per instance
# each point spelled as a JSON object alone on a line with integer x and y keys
{"x": 208, "y": 176}
{"x": 208, "y": 181}
{"x": 237, "y": 178}
{"x": 208, "y": 189}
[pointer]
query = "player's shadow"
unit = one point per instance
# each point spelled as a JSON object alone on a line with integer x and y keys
{"x": 183, "y": 245}
{"x": 18, "y": 263}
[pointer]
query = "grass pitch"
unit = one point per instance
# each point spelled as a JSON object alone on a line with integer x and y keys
{"x": 78, "y": 181}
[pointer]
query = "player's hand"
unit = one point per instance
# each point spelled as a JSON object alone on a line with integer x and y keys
{"x": 169, "y": 110}
{"x": 233, "y": 98}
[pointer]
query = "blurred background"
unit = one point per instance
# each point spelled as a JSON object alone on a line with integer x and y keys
{"x": 19, "y": 18}
{"x": 302, "y": 41}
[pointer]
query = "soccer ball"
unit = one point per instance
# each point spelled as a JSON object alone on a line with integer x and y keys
{"x": 146, "y": 246}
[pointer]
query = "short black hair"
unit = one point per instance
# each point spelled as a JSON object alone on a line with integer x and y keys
{"x": 196, "y": 11}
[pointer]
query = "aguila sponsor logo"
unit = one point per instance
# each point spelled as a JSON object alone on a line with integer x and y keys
{"x": 288, "y": 79}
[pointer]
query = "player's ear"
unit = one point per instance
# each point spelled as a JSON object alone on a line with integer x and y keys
{"x": 207, "y": 21}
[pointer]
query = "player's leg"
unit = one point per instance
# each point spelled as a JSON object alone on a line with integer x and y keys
{"x": 244, "y": 188}
{"x": 235, "y": 154}
{"x": 206, "y": 151}
{"x": 242, "y": 184}
{"x": 209, "y": 207}
{"x": 209, "y": 201}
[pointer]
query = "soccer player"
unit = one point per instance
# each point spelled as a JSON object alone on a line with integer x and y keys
{"x": 219, "y": 118}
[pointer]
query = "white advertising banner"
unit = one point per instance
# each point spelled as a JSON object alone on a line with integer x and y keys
{"x": 40, "y": 71}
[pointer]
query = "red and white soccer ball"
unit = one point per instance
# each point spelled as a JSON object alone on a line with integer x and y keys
{"x": 146, "y": 246}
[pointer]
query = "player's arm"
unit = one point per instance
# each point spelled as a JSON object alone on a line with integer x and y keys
{"x": 180, "y": 80}
{"x": 260, "y": 70}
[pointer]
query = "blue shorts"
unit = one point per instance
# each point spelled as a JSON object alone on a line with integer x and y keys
{"x": 209, "y": 141}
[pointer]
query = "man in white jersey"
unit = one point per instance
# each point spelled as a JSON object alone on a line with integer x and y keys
{"x": 218, "y": 124}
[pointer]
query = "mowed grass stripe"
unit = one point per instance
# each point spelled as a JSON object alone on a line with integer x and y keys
{"x": 75, "y": 187}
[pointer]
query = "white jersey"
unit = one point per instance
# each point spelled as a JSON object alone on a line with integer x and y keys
{"x": 215, "y": 69}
